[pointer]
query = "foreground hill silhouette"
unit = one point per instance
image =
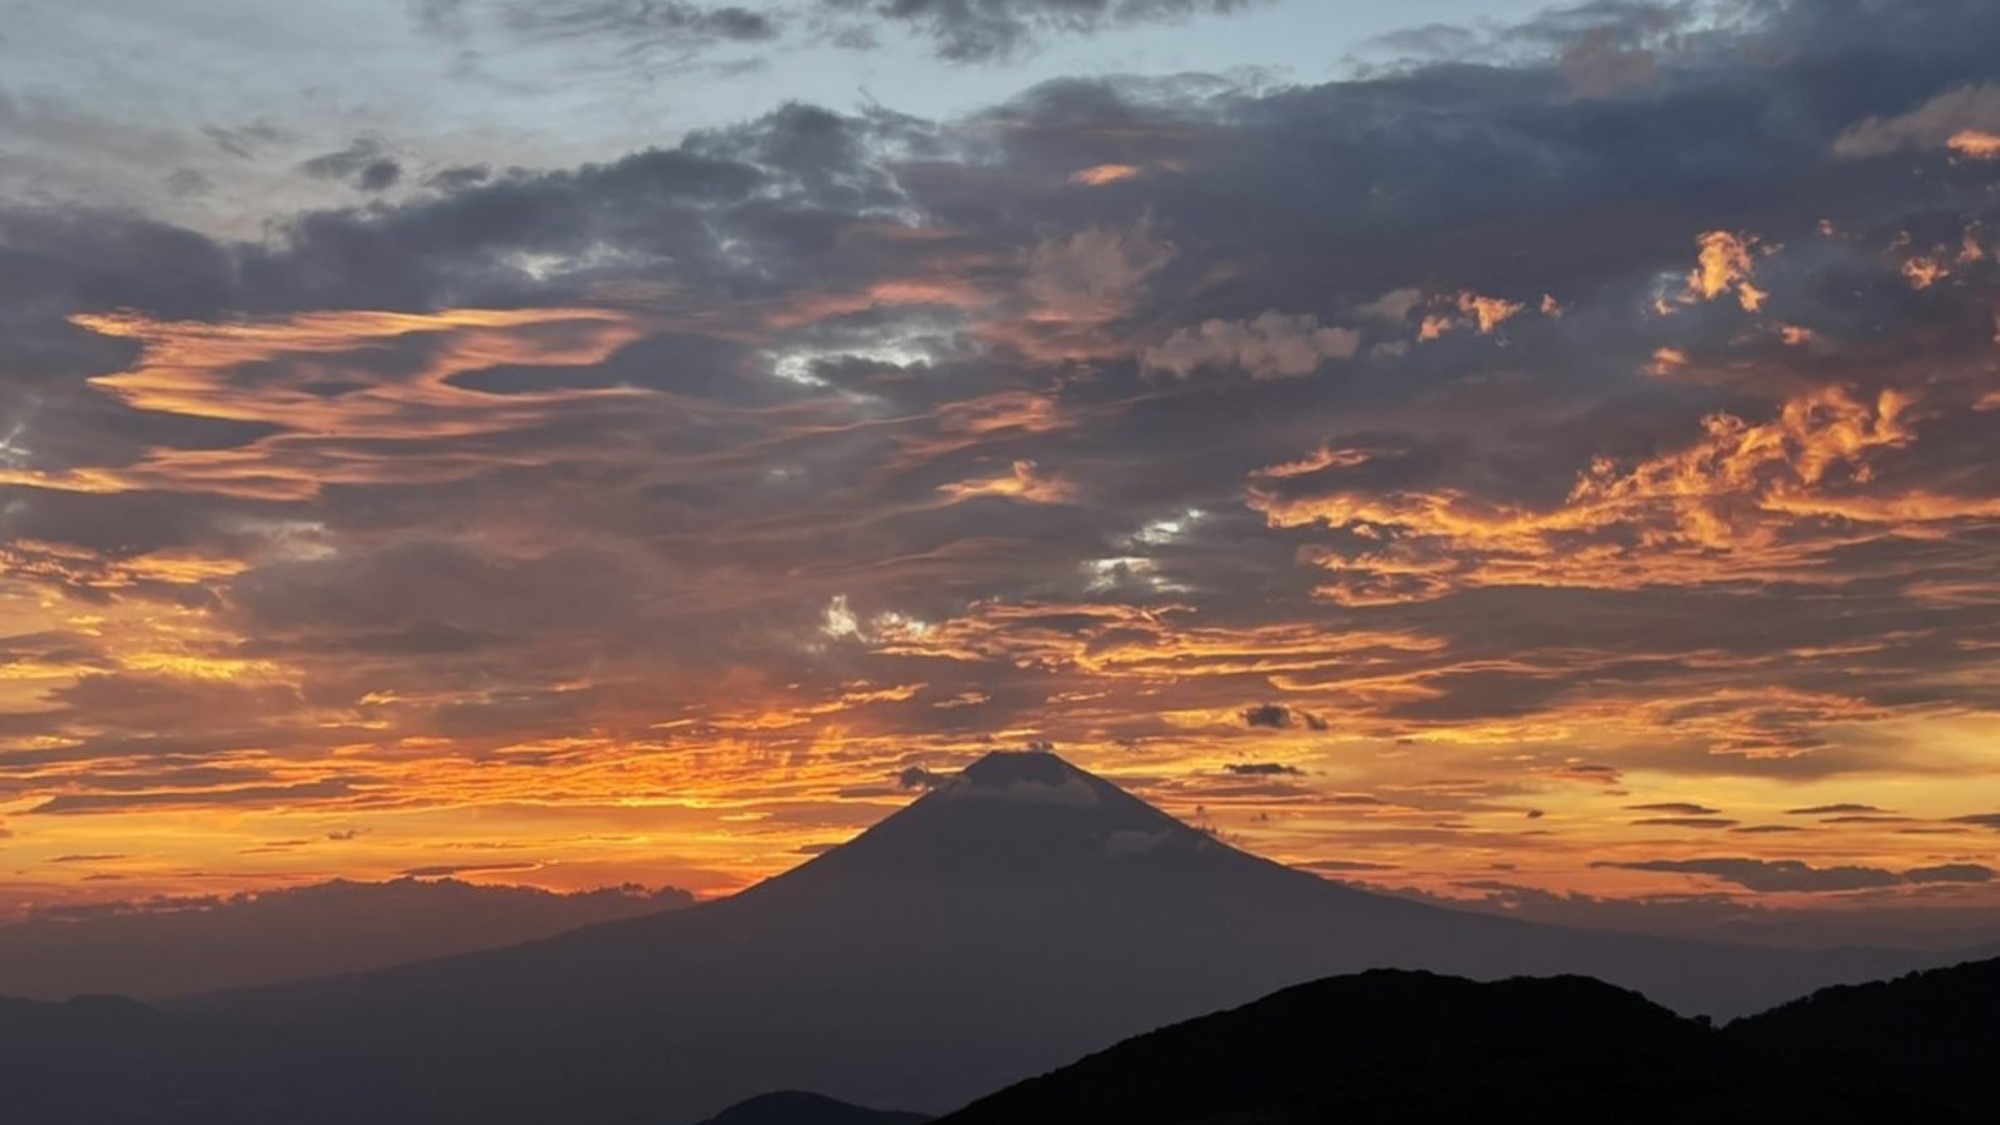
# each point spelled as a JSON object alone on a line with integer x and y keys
{"x": 796, "y": 1108}
{"x": 1379, "y": 1047}
{"x": 172, "y": 948}
{"x": 1398, "y": 1048}
{"x": 1937, "y": 1031}
{"x": 1013, "y": 919}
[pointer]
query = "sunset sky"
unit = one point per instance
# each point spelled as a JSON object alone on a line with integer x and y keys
{"x": 1450, "y": 446}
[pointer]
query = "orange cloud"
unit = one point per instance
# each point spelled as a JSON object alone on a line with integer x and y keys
{"x": 1970, "y": 249}
{"x": 1434, "y": 327}
{"x": 1726, "y": 266}
{"x": 194, "y": 369}
{"x": 1477, "y": 311}
{"x": 1325, "y": 457}
{"x": 1489, "y": 313}
{"x": 1103, "y": 174}
{"x": 948, "y": 292}
{"x": 1977, "y": 144}
{"x": 1922, "y": 273}
{"x": 1746, "y": 500}
{"x": 1026, "y": 482}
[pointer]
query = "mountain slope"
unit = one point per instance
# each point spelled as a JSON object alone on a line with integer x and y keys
{"x": 1009, "y": 921}
{"x": 1394, "y": 1047}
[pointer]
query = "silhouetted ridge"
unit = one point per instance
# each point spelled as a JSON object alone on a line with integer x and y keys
{"x": 1409, "y": 1048}
{"x": 1938, "y": 1031}
{"x": 793, "y": 1107}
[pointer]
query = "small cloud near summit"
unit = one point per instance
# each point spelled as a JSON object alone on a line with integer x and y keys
{"x": 1263, "y": 769}
{"x": 917, "y": 777}
{"x": 1277, "y": 716}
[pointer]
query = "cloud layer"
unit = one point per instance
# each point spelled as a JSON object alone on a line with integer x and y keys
{"x": 1562, "y": 464}
{"x": 959, "y": 31}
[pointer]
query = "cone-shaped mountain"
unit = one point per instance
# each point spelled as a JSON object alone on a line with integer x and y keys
{"x": 1019, "y": 915}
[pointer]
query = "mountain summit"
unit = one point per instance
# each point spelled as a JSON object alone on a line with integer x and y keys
{"x": 1013, "y": 813}
{"x": 1015, "y": 917}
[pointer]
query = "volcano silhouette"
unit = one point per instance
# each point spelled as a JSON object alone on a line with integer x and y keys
{"x": 1019, "y": 915}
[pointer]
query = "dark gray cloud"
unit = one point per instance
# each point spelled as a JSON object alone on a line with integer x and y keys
{"x": 459, "y": 177}
{"x": 994, "y": 30}
{"x": 447, "y": 870}
{"x": 774, "y": 192}
{"x": 632, "y": 24}
{"x": 245, "y": 141}
{"x": 1677, "y": 808}
{"x": 1263, "y": 769}
{"x": 1791, "y": 874}
{"x": 1951, "y": 873}
{"x": 245, "y": 795}
{"x": 1277, "y": 716}
{"x": 365, "y": 165}
{"x": 1271, "y": 716}
{"x": 186, "y": 183}
{"x": 959, "y": 31}
{"x": 917, "y": 777}
{"x": 640, "y": 31}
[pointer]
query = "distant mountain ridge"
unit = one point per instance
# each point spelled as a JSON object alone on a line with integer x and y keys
{"x": 175, "y": 948}
{"x": 1386, "y": 1047}
{"x": 1014, "y": 918}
